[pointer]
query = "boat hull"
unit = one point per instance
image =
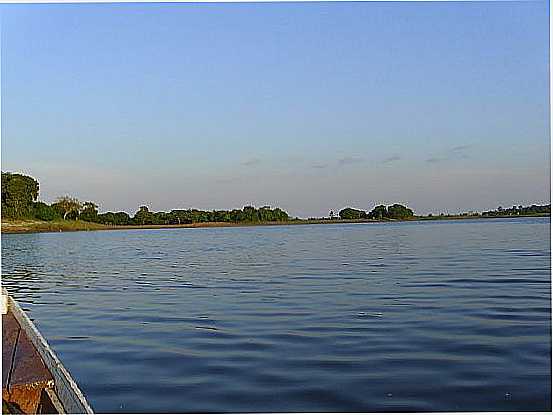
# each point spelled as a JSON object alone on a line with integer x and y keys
{"x": 63, "y": 394}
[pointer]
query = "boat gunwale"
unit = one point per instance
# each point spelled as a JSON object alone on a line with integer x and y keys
{"x": 66, "y": 388}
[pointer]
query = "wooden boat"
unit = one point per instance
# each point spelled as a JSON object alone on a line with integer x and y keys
{"x": 33, "y": 378}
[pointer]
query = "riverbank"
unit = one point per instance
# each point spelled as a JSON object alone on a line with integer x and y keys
{"x": 35, "y": 226}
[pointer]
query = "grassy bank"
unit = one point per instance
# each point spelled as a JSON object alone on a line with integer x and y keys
{"x": 33, "y": 226}
{"x": 28, "y": 226}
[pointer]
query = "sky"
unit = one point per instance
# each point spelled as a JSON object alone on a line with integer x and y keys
{"x": 312, "y": 107}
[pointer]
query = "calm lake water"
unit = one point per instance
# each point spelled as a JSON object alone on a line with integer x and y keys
{"x": 425, "y": 316}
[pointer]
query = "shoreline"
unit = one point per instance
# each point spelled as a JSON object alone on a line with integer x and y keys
{"x": 34, "y": 226}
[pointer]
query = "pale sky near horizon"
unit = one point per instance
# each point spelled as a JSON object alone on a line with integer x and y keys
{"x": 308, "y": 106}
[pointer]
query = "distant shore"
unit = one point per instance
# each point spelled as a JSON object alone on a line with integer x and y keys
{"x": 35, "y": 226}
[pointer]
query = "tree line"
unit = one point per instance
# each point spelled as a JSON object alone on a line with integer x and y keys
{"x": 380, "y": 212}
{"x": 519, "y": 210}
{"x": 20, "y": 201}
{"x": 20, "y": 194}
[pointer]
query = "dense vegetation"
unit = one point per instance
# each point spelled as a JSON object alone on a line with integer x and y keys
{"x": 519, "y": 210}
{"x": 19, "y": 201}
{"x": 379, "y": 212}
{"x": 177, "y": 217}
{"x": 18, "y": 194}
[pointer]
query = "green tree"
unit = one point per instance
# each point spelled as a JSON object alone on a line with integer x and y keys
{"x": 236, "y": 215}
{"x": 181, "y": 216}
{"x": 118, "y": 218}
{"x": 42, "y": 211}
{"x": 397, "y": 211}
{"x": 379, "y": 212}
{"x": 122, "y": 218}
{"x": 250, "y": 214}
{"x": 69, "y": 206}
{"x": 280, "y": 215}
{"x": 89, "y": 212}
{"x": 107, "y": 218}
{"x": 18, "y": 194}
{"x": 161, "y": 218}
{"x": 352, "y": 214}
{"x": 144, "y": 216}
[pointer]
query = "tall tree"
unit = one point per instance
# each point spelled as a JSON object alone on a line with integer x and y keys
{"x": 250, "y": 214}
{"x": 89, "y": 212}
{"x": 68, "y": 205}
{"x": 18, "y": 194}
{"x": 397, "y": 211}
{"x": 350, "y": 213}
{"x": 379, "y": 212}
{"x": 144, "y": 216}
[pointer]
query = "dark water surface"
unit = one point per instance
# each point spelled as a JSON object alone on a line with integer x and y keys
{"x": 426, "y": 316}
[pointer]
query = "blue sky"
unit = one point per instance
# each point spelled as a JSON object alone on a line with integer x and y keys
{"x": 308, "y": 106}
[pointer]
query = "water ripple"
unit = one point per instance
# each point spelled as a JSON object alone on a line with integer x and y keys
{"x": 434, "y": 316}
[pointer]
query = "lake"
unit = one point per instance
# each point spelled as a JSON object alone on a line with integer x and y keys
{"x": 413, "y": 316}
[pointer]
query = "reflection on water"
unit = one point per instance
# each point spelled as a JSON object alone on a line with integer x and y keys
{"x": 428, "y": 316}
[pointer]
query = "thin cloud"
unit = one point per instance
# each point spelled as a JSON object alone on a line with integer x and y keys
{"x": 319, "y": 166}
{"x": 251, "y": 162}
{"x": 391, "y": 159}
{"x": 454, "y": 153}
{"x": 460, "y": 148}
{"x": 349, "y": 160}
{"x": 459, "y": 152}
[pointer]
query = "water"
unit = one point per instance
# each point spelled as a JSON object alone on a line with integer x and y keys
{"x": 426, "y": 316}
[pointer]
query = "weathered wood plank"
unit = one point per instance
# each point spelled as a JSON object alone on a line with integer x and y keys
{"x": 28, "y": 368}
{"x": 9, "y": 407}
{"x": 27, "y": 399}
{"x": 49, "y": 403}
{"x": 10, "y": 331}
{"x": 28, "y": 377}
